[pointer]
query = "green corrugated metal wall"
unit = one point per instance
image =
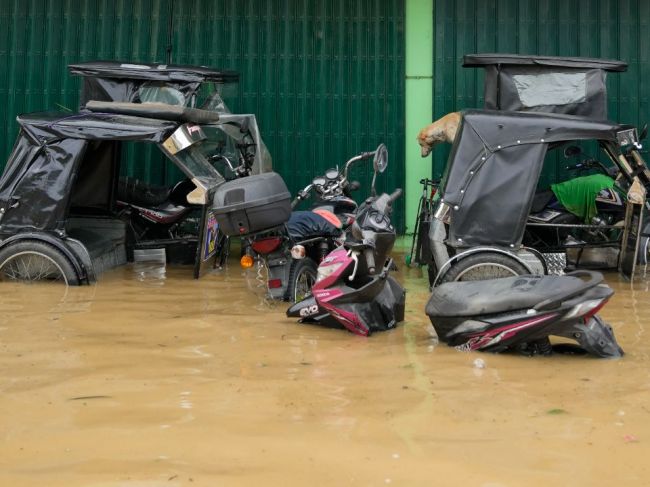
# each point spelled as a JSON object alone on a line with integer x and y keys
{"x": 617, "y": 29}
{"x": 326, "y": 79}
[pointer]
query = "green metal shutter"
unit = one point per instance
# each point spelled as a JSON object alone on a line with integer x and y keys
{"x": 40, "y": 38}
{"x": 325, "y": 79}
{"x": 592, "y": 28}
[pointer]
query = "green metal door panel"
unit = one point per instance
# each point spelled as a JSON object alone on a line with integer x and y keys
{"x": 590, "y": 28}
{"x": 325, "y": 79}
{"x": 40, "y": 38}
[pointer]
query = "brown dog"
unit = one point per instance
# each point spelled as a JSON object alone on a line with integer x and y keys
{"x": 442, "y": 130}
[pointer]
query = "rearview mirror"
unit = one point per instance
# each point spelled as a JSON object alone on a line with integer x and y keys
{"x": 380, "y": 162}
{"x": 572, "y": 151}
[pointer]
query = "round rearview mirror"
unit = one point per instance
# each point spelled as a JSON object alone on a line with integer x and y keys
{"x": 572, "y": 151}
{"x": 380, "y": 162}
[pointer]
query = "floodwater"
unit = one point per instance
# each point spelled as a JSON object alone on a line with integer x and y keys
{"x": 153, "y": 379}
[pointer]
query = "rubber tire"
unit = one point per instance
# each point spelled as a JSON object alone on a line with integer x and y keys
{"x": 49, "y": 251}
{"x": 486, "y": 258}
{"x": 644, "y": 251}
{"x": 298, "y": 268}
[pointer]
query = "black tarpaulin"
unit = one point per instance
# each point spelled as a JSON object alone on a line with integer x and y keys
{"x": 123, "y": 81}
{"x": 95, "y": 126}
{"x": 35, "y": 186}
{"x": 574, "y": 86}
{"x": 494, "y": 167}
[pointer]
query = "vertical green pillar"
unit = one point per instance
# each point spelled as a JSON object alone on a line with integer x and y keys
{"x": 419, "y": 98}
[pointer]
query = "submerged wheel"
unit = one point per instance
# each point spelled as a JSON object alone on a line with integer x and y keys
{"x": 36, "y": 261}
{"x": 643, "y": 255}
{"x": 302, "y": 277}
{"x": 486, "y": 265}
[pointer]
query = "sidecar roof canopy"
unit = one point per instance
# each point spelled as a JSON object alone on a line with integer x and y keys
{"x": 157, "y": 72}
{"x": 123, "y": 81}
{"x": 494, "y": 167}
{"x": 569, "y": 85}
{"x": 51, "y": 127}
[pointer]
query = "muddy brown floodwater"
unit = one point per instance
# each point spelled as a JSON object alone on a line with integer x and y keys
{"x": 153, "y": 379}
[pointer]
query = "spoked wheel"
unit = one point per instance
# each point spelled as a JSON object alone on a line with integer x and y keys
{"x": 302, "y": 277}
{"x": 35, "y": 261}
{"x": 482, "y": 266}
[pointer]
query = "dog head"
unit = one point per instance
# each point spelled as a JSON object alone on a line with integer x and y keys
{"x": 428, "y": 137}
{"x": 442, "y": 130}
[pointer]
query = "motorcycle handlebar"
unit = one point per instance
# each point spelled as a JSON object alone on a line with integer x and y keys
{"x": 301, "y": 195}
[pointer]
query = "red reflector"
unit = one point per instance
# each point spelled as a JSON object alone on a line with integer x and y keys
{"x": 266, "y": 245}
{"x": 596, "y": 309}
{"x": 274, "y": 283}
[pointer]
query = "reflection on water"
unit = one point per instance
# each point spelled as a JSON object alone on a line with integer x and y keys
{"x": 152, "y": 378}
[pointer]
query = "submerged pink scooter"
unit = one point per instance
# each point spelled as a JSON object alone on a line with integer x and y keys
{"x": 350, "y": 290}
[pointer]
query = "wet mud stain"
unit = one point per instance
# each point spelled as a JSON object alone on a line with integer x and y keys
{"x": 150, "y": 378}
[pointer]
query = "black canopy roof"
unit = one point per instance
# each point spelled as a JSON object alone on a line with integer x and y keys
{"x": 482, "y": 60}
{"x": 94, "y": 126}
{"x": 157, "y": 72}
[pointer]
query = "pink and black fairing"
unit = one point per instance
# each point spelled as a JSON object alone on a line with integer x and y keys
{"x": 349, "y": 292}
{"x": 520, "y": 313}
{"x": 365, "y": 305}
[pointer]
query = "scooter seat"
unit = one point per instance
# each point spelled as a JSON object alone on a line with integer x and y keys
{"x": 472, "y": 298}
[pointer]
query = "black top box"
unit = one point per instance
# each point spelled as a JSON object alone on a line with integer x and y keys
{"x": 252, "y": 204}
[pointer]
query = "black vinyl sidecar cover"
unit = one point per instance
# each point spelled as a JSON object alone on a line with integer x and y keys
{"x": 494, "y": 167}
{"x": 45, "y": 162}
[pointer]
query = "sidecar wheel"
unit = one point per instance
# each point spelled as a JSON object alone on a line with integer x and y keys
{"x": 302, "y": 277}
{"x": 644, "y": 251}
{"x": 36, "y": 261}
{"x": 482, "y": 266}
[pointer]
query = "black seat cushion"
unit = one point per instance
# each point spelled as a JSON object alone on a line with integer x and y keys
{"x": 541, "y": 200}
{"x": 471, "y": 298}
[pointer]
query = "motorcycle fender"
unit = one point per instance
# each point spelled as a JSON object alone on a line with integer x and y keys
{"x": 75, "y": 252}
{"x": 281, "y": 273}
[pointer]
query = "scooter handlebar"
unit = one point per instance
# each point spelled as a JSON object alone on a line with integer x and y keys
{"x": 394, "y": 195}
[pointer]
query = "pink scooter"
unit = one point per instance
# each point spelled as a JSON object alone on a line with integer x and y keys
{"x": 354, "y": 289}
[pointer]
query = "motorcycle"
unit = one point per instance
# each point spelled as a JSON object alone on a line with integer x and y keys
{"x": 559, "y": 215}
{"x": 157, "y": 214}
{"x": 520, "y": 313}
{"x": 354, "y": 288}
{"x": 603, "y": 204}
{"x": 292, "y": 253}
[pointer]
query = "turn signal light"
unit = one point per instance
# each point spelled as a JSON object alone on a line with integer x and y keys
{"x": 298, "y": 252}
{"x": 246, "y": 261}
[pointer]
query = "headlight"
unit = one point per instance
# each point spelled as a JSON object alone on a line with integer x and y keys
{"x": 627, "y": 137}
{"x": 327, "y": 270}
